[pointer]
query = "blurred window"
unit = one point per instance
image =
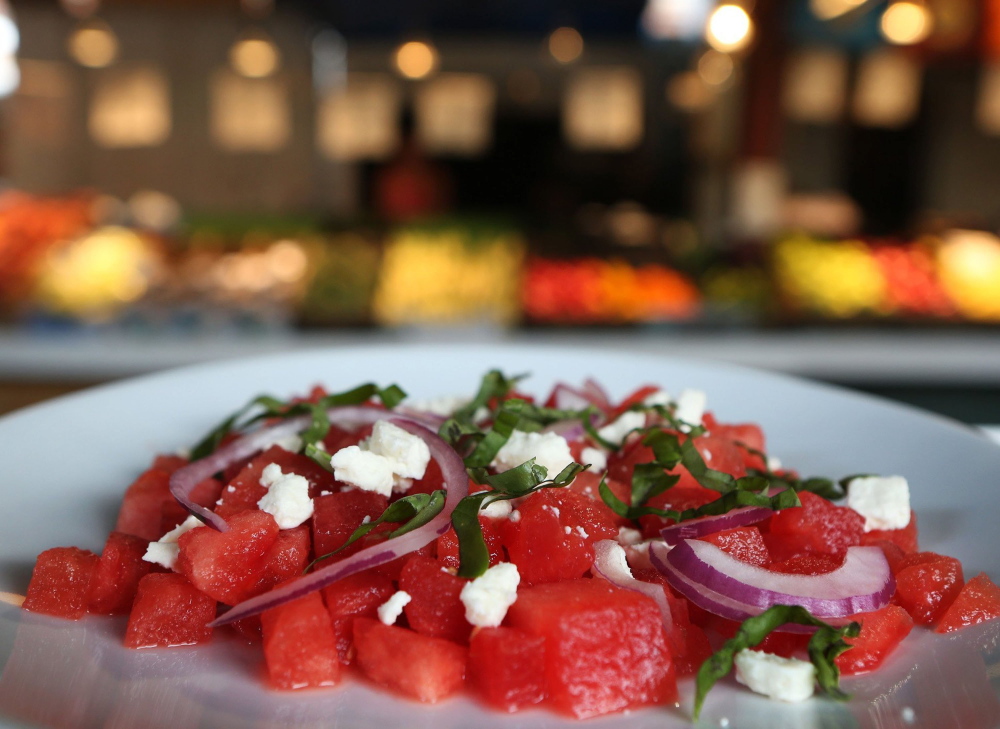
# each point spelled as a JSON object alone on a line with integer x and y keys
{"x": 816, "y": 86}
{"x": 249, "y": 114}
{"x": 888, "y": 89}
{"x": 454, "y": 114}
{"x": 603, "y": 110}
{"x": 361, "y": 119}
{"x": 130, "y": 107}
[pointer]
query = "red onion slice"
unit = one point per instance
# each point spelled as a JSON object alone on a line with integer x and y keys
{"x": 597, "y": 395}
{"x": 183, "y": 480}
{"x": 695, "y": 528}
{"x": 565, "y": 397}
{"x": 862, "y": 584}
{"x": 456, "y": 483}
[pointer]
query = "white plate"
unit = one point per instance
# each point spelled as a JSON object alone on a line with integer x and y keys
{"x": 65, "y": 464}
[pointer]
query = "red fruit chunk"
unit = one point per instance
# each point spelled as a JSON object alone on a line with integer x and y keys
{"x": 432, "y": 481}
{"x": 245, "y": 490}
{"x": 553, "y": 539}
{"x": 424, "y": 668}
{"x": 743, "y": 543}
{"x": 60, "y": 582}
{"x": 117, "y": 574}
{"x": 168, "y": 610}
{"x": 141, "y": 513}
{"x": 247, "y": 628}
{"x": 881, "y": 631}
{"x": 892, "y": 551}
{"x": 435, "y": 608}
{"x": 205, "y": 493}
{"x": 300, "y": 648}
{"x": 287, "y": 558}
{"x": 605, "y": 649}
{"x": 356, "y": 596}
{"x": 447, "y": 544}
{"x": 227, "y": 565}
{"x": 336, "y": 516}
{"x": 588, "y": 484}
{"x": 507, "y": 667}
{"x": 817, "y": 526}
{"x": 905, "y": 538}
{"x": 977, "y": 602}
{"x": 807, "y": 564}
{"x": 927, "y": 584}
{"x": 169, "y": 462}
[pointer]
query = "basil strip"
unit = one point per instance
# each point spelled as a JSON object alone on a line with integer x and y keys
{"x": 504, "y": 424}
{"x": 319, "y": 456}
{"x": 825, "y": 645}
{"x": 820, "y": 486}
{"x": 413, "y": 511}
{"x": 208, "y": 444}
{"x": 493, "y": 385}
{"x": 724, "y": 504}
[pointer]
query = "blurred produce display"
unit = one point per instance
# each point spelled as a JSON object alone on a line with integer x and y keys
{"x": 72, "y": 261}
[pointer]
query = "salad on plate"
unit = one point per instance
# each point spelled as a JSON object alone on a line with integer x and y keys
{"x": 568, "y": 552}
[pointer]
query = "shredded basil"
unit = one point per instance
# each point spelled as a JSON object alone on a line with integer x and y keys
{"x": 825, "y": 645}
{"x": 271, "y": 407}
{"x": 412, "y": 511}
{"x": 494, "y": 385}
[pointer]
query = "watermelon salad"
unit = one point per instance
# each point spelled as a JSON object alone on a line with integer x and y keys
{"x": 571, "y": 552}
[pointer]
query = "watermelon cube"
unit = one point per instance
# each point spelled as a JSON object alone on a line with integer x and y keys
{"x": 447, "y": 544}
{"x": 287, "y": 558}
{"x": 605, "y": 648}
{"x": 168, "y": 611}
{"x": 419, "y": 666}
{"x": 60, "y": 582}
{"x": 337, "y": 516}
{"x": 817, "y": 526}
{"x": 905, "y": 538}
{"x": 228, "y": 565}
{"x": 116, "y": 577}
{"x": 141, "y": 512}
{"x": 743, "y": 543}
{"x": 435, "y": 608}
{"x": 881, "y": 631}
{"x": 926, "y": 585}
{"x": 507, "y": 668}
{"x": 352, "y": 597}
{"x": 204, "y": 493}
{"x": 300, "y": 648}
{"x": 977, "y": 602}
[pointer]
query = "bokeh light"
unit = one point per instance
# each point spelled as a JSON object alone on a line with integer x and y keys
{"x": 255, "y": 57}
{"x": 715, "y": 68}
{"x": 416, "y": 59}
{"x": 93, "y": 44}
{"x": 729, "y": 29}
{"x": 906, "y": 23}
{"x": 566, "y": 44}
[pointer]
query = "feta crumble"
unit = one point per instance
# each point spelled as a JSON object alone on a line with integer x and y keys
{"x": 363, "y": 469}
{"x": 548, "y": 449}
{"x": 784, "y": 679}
{"x": 597, "y": 459}
{"x": 499, "y": 509}
{"x": 287, "y": 498}
{"x": 165, "y": 551}
{"x": 691, "y": 407}
{"x": 391, "y": 609}
{"x": 660, "y": 397}
{"x": 488, "y": 597}
{"x": 616, "y": 430}
{"x": 445, "y": 405}
{"x": 628, "y": 536}
{"x": 884, "y": 501}
{"x": 515, "y": 516}
{"x": 407, "y": 454}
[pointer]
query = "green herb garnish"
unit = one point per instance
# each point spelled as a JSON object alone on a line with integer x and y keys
{"x": 825, "y": 645}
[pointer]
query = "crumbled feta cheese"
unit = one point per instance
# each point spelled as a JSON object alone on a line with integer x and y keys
{"x": 773, "y": 464}
{"x": 363, "y": 469}
{"x": 391, "y": 609}
{"x": 499, "y": 509}
{"x": 884, "y": 501}
{"x": 231, "y": 489}
{"x": 290, "y": 442}
{"x": 784, "y": 679}
{"x": 287, "y": 498}
{"x": 444, "y": 405}
{"x": 367, "y": 519}
{"x": 487, "y": 598}
{"x": 164, "y": 552}
{"x": 548, "y": 449}
{"x": 597, "y": 459}
{"x": 515, "y": 516}
{"x": 691, "y": 406}
{"x": 616, "y": 430}
{"x": 629, "y": 536}
{"x": 408, "y": 454}
{"x": 567, "y": 530}
{"x": 660, "y": 397}
{"x": 554, "y": 510}
{"x": 582, "y": 532}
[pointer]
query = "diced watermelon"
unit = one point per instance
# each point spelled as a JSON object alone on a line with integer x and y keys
{"x": 169, "y": 462}
{"x": 720, "y": 454}
{"x": 977, "y": 602}
{"x": 227, "y": 565}
{"x": 205, "y": 493}
{"x": 355, "y": 596}
{"x": 435, "y": 608}
{"x": 60, "y": 582}
{"x": 553, "y": 538}
{"x": 447, "y": 544}
{"x": 287, "y": 558}
{"x": 337, "y": 515}
{"x": 507, "y": 668}
{"x": 926, "y": 585}
{"x": 300, "y": 648}
{"x": 807, "y": 564}
{"x": 881, "y": 631}
{"x": 247, "y": 628}
{"x": 117, "y": 574}
{"x": 141, "y": 512}
{"x": 605, "y": 648}
{"x": 817, "y": 526}
{"x": 424, "y": 668}
{"x": 245, "y": 490}
{"x": 905, "y": 538}
{"x": 742, "y": 543}
{"x": 892, "y": 551}
{"x": 168, "y": 611}
{"x": 588, "y": 484}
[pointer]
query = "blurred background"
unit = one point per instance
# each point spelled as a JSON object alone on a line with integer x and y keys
{"x": 806, "y": 185}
